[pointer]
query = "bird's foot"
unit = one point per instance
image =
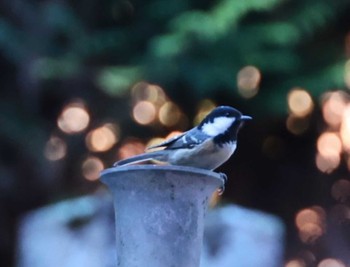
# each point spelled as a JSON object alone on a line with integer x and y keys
{"x": 222, "y": 188}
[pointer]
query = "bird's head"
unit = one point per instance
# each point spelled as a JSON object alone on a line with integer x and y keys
{"x": 223, "y": 121}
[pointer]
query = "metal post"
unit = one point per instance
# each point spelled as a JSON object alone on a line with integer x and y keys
{"x": 159, "y": 213}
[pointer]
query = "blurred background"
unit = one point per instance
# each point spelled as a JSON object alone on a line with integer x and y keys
{"x": 85, "y": 83}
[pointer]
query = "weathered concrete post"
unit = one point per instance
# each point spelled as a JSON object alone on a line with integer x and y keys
{"x": 159, "y": 213}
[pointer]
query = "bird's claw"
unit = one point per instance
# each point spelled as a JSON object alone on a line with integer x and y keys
{"x": 223, "y": 176}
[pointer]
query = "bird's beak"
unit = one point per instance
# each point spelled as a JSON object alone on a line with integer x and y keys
{"x": 245, "y": 118}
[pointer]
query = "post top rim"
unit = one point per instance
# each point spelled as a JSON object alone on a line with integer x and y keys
{"x": 161, "y": 168}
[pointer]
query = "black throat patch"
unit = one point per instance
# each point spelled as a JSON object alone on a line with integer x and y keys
{"x": 229, "y": 136}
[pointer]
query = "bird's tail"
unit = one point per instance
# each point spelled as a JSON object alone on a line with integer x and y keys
{"x": 156, "y": 155}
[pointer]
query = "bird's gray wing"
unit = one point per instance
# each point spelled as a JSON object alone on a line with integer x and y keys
{"x": 188, "y": 139}
{"x": 168, "y": 142}
{"x": 156, "y": 155}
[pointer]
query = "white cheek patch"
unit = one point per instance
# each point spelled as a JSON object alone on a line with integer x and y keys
{"x": 218, "y": 126}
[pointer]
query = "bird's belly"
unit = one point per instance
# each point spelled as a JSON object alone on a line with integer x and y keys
{"x": 207, "y": 156}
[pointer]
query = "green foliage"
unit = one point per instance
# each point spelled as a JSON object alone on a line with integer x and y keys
{"x": 115, "y": 81}
{"x": 178, "y": 43}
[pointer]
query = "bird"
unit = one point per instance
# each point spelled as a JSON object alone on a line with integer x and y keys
{"x": 206, "y": 146}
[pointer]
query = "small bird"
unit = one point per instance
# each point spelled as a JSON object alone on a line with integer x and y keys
{"x": 205, "y": 146}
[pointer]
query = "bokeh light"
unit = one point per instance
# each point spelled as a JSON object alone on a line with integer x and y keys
{"x": 333, "y": 107}
{"x": 345, "y": 129}
{"x": 314, "y": 214}
{"x": 144, "y": 112}
{"x": 74, "y": 118}
{"x": 169, "y": 114}
{"x": 300, "y": 102}
{"x": 297, "y": 125}
{"x": 204, "y": 108}
{"x": 331, "y": 263}
{"x": 131, "y": 147}
{"x": 310, "y": 223}
{"x": 310, "y": 232}
{"x": 91, "y": 168}
{"x": 295, "y": 263}
{"x": 341, "y": 190}
{"x": 327, "y": 164}
{"x": 55, "y": 149}
{"x": 103, "y": 138}
{"x": 329, "y": 148}
{"x": 248, "y": 80}
{"x": 144, "y": 91}
{"x": 329, "y": 144}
